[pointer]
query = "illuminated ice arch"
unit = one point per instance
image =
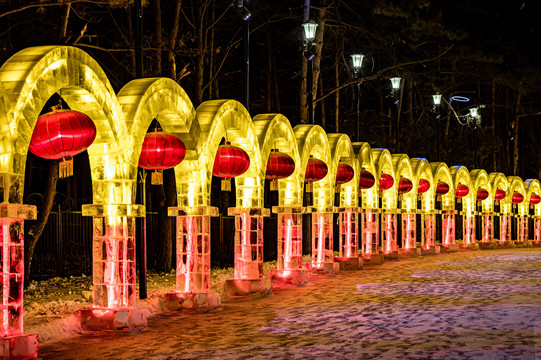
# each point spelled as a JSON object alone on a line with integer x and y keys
{"x": 274, "y": 131}
{"x": 441, "y": 172}
{"x": 407, "y": 225}
{"x": 479, "y": 180}
{"x": 421, "y": 170}
{"x": 516, "y": 186}
{"x": 503, "y": 226}
{"x": 369, "y": 197}
{"x": 534, "y": 187}
{"x": 30, "y": 78}
{"x": 342, "y": 151}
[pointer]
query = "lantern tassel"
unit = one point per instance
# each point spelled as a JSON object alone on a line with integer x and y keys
{"x": 309, "y": 187}
{"x": 157, "y": 178}
{"x": 274, "y": 185}
{"x": 65, "y": 168}
{"x": 226, "y": 184}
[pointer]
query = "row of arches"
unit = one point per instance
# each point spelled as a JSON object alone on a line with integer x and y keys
{"x": 30, "y": 77}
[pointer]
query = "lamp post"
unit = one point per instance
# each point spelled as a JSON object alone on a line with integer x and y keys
{"x": 395, "y": 83}
{"x": 437, "y": 103}
{"x": 310, "y": 29}
{"x": 356, "y": 63}
{"x": 246, "y": 15}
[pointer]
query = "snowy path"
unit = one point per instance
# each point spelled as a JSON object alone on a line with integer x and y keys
{"x": 475, "y": 305}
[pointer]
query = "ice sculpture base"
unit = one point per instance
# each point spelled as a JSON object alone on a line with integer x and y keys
{"x": 374, "y": 259}
{"x": 243, "y": 287}
{"x": 536, "y": 244}
{"x": 432, "y": 250}
{"x": 474, "y": 246}
{"x": 488, "y": 245}
{"x": 192, "y": 301}
{"x": 19, "y": 346}
{"x": 99, "y": 319}
{"x": 449, "y": 248}
{"x": 349, "y": 263}
{"x": 294, "y": 277}
{"x": 413, "y": 252}
{"x": 393, "y": 255}
{"x": 328, "y": 268}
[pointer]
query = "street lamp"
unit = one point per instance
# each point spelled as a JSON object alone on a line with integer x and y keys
{"x": 437, "y": 102}
{"x": 310, "y": 29}
{"x": 437, "y": 99}
{"x": 395, "y": 83}
{"x": 356, "y": 63}
{"x": 246, "y": 15}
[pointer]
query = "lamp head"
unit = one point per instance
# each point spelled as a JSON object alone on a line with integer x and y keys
{"x": 310, "y": 28}
{"x": 395, "y": 82}
{"x": 437, "y": 99}
{"x": 357, "y": 61}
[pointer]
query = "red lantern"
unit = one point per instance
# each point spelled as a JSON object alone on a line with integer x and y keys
{"x": 161, "y": 151}
{"x": 517, "y": 198}
{"x": 315, "y": 171}
{"x": 461, "y": 191}
{"x": 482, "y": 194}
{"x": 500, "y": 194}
{"x": 366, "y": 180}
{"x": 386, "y": 181}
{"x": 230, "y": 161}
{"x": 61, "y": 134}
{"x": 344, "y": 174}
{"x": 279, "y": 166}
{"x": 423, "y": 186}
{"x": 535, "y": 199}
{"x": 404, "y": 185}
{"x": 442, "y": 188}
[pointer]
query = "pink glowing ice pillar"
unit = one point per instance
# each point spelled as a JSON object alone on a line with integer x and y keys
{"x": 349, "y": 244}
{"x": 448, "y": 228}
{"x": 429, "y": 231}
{"x": 505, "y": 228}
{"x": 389, "y": 232}
{"x": 370, "y": 231}
{"x": 468, "y": 230}
{"x": 537, "y": 230}
{"x": 322, "y": 239}
{"x": 488, "y": 229}
{"x": 193, "y": 254}
{"x": 289, "y": 241}
{"x": 522, "y": 228}
{"x": 409, "y": 231}
{"x": 14, "y": 344}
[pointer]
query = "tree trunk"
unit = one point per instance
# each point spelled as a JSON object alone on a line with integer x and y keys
{"x": 494, "y": 143}
{"x": 322, "y": 107}
{"x": 269, "y": 70}
{"x": 303, "y": 103}
{"x": 158, "y": 37}
{"x": 173, "y": 41}
{"x": 515, "y": 127}
{"x": 64, "y": 23}
{"x": 200, "y": 59}
{"x": 212, "y": 50}
{"x": 43, "y": 215}
{"x": 317, "y": 51}
{"x": 275, "y": 82}
{"x": 337, "y": 94}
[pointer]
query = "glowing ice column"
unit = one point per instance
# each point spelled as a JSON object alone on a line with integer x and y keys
{"x": 193, "y": 260}
{"x": 522, "y": 226}
{"x": 370, "y": 232}
{"x": 409, "y": 231}
{"x": 14, "y": 344}
{"x": 448, "y": 227}
{"x": 389, "y": 233}
{"x": 469, "y": 230}
{"x": 429, "y": 231}
{"x": 488, "y": 229}
{"x": 322, "y": 243}
{"x": 505, "y": 229}
{"x": 349, "y": 244}
{"x": 113, "y": 269}
{"x": 248, "y": 252}
{"x": 537, "y": 230}
{"x": 289, "y": 264}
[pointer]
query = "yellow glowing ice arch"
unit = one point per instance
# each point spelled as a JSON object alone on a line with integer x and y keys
{"x": 479, "y": 180}
{"x": 517, "y": 185}
{"x": 384, "y": 164}
{"x": 402, "y": 168}
{"x": 441, "y": 172}
{"x": 30, "y": 78}
{"x": 274, "y": 131}
{"x": 163, "y": 99}
{"x": 421, "y": 170}
{"x": 461, "y": 175}
{"x": 533, "y": 187}
{"x": 312, "y": 140}
{"x": 229, "y": 119}
{"x": 342, "y": 150}
{"x": 499, "y": 181}
{"x": 369, "y": 197}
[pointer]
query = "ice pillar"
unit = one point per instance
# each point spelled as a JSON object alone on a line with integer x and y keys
{"x": 522, "y": 228}
{"x": 15, "y": 344}
{"x": 289, "y": 262}
{"x": 468, "y": 230}
{"x": 537, "y": 230}
{"x": 505, "y": 228}
{"x": 248, "y": 277}
{"x": 409, "y": 231}
{"x": 370, "y": 231}
{"x": 322, "y": 242}
{"x": 488, "y": 228}
{"x": 113, "y": 268}
{"x": 429, "y": 231}
{"x": 389, "y": 232}
{"x": 348, "y": 257}
{"x": 448, "y": 227}
{"x": 193, "y": 260}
